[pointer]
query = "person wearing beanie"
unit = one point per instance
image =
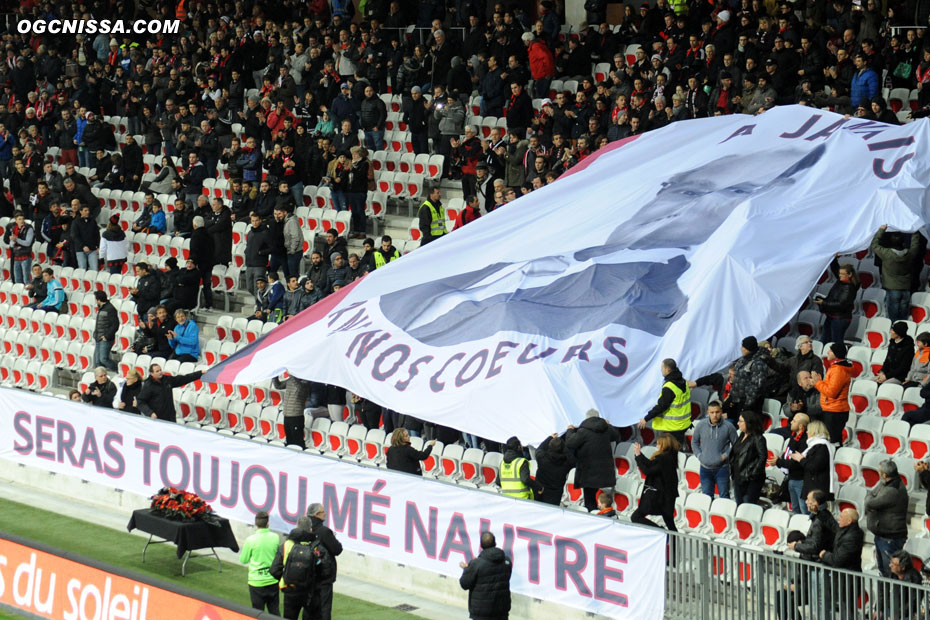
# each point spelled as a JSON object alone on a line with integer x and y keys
{"x": 749, "y": 374}
{"x": 515, "y": 477}
{"x": 898, "y": 356}
{"x": 834, "y": 391}
{"x": 838, "y": 305}
{"x": 114, "y": 247}
{"x": 594, "y": 461}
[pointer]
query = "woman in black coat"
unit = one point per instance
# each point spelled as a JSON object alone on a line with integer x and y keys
{"x": 816, "y": 461}
{"x": 401, "y": 456}
{"x": 839, "y": 302}
{"x": 747, "y": 459}
{"x": 552, "y": 467}
{"x": 594, "y": 456}
{"x": 127, "y": 396}
{"x": 661, "y": 486}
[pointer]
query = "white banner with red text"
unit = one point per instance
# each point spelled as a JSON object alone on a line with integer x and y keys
{"x": 582, "y": 561}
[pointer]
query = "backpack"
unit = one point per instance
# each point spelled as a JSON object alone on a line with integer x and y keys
{"x": 300, "y": 566}
{"x": 323, "y": 561}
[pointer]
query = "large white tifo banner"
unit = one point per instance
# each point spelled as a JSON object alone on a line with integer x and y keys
{"x": 583, "y": 561}
{"x": 677, "y": 243}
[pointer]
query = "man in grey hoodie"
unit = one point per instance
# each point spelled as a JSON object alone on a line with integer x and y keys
{"x": 711, "y": 443}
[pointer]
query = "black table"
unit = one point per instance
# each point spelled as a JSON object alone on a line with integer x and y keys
{"x": 187, "y": 536}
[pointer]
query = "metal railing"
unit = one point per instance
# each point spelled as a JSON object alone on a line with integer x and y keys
{"x": 728, "y": 580}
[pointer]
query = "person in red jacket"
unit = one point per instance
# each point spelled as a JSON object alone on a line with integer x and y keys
{"x": 276, "y": 118}
{"x": 542, "y": 64}
{"x": 469, "y": 151}
{"x": 469, "y": 214}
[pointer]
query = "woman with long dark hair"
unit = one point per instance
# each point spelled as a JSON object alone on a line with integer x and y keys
{"x": 838, "y": 305}
{"x": 661, "y": 486}
{"x": 747, "y": 459}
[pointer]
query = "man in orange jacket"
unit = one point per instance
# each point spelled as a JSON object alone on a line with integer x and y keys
{"x": 834, "y": 391}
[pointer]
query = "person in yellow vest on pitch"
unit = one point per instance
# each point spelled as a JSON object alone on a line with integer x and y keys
{"x": 672, "y": 413}
{"x": 515, "y": 477}
{"x": 432, "y": 217}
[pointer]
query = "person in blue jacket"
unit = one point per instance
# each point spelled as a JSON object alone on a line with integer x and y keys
{"x": 55, "y": 298}
{"x": 158, "y": 224}
{"x": 184, "y": 339}
{"x": 864, "y": 85}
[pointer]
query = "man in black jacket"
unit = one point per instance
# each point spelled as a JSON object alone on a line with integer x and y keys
{"x": 155, "y": 399}
{"x": 102, "y": 391}
{"x": 202, "y": 253}
{"x": 105, "y": 328}
{"x": 321, "y": 596}
{"x": 594, "y": 468}
{"x": 822, "y": 529}
{"x": 218, "y": 225}
{"x": 132, "y": 163}
{"x": 899, "y": 355}
{"x": 257, "y": 250}
{"x": 487, "y": 579}
{"x": 847, "y": 555}
{"x": 886, "y": 513}
{"x": 553, "y": 465}
{"x": 85, "y": 234}
{"x": 147, "y": 291}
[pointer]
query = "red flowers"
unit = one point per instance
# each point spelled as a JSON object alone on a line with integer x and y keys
{"x": 180, "y": 505}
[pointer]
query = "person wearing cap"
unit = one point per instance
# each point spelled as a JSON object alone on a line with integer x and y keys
{"x": 722, "y": 36}
{"x": 834, "y": 391}
{"x": 920, "y": 363}
{"x": 749, "y": 374}
{"x": 343, "y": 108}
{"x": 515, "y": 479}
{"x": 542, "y": 64}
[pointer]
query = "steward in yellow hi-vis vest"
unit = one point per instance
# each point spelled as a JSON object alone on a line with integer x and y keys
{"x": 515, "y": 477}
{"x": 672, "y": 413}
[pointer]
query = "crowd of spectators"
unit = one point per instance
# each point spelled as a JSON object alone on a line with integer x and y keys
{"x": 284, "y": 96}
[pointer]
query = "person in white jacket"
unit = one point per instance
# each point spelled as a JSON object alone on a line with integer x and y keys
{"x": 114, "y": 246}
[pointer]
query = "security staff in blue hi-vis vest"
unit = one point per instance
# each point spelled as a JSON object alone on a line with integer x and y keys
{"x": 672, "y": 413}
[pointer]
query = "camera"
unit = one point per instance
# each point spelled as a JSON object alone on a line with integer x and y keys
{"x": 440, "y": 106}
